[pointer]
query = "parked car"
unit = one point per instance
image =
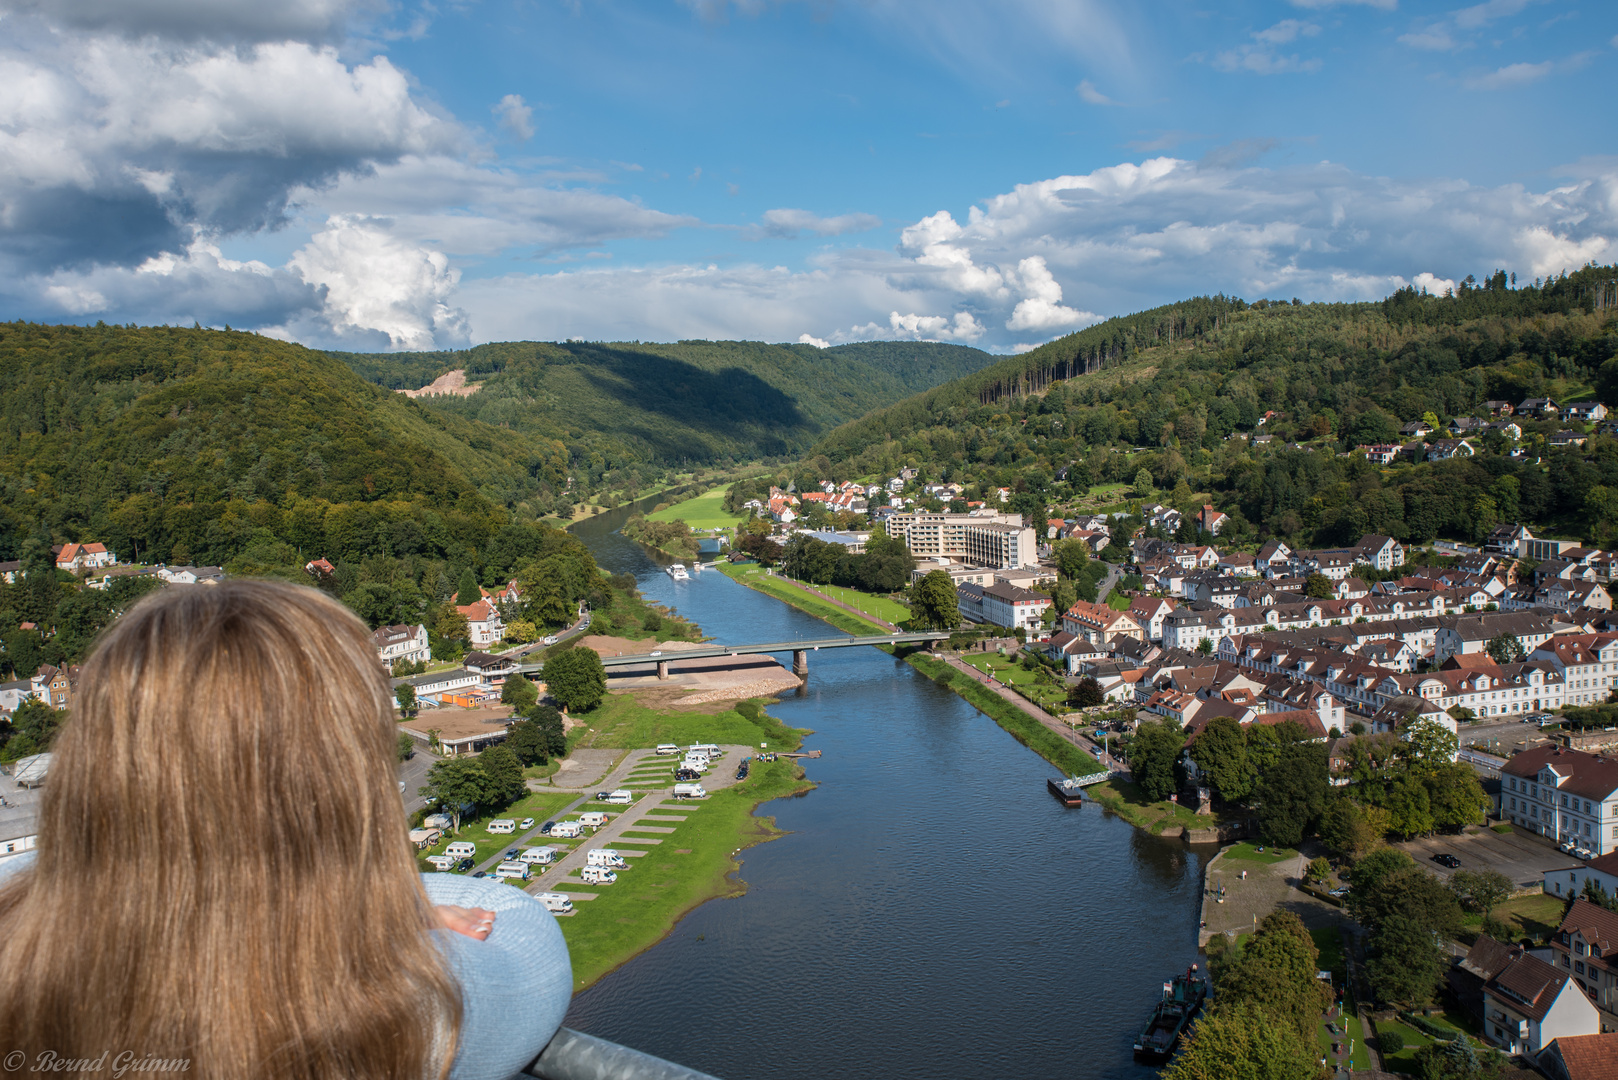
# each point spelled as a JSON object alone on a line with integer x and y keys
{"x": 667, "y": 748}
{"x": 512, "y": 854}
{"x": 603, "y": 796}
{"x": 683, "y": 773}
{"x": 1444, "y": 858}
{"x": 545, "y": 829}
{"x": 1341, "y": 890}
{"x": 464, "y": 865}
{"x": 480, "y": 873}
{"x": 525, "y": 824}
{"x": 741, "y": 771}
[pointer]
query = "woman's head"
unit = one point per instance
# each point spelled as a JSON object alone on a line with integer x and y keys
{"x": 222, "y": 867}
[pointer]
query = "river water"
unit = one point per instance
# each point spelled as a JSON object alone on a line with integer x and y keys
{"x": 932, "y": 913}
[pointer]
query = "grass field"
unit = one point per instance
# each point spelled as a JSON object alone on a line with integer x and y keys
{"x": 1533, "y": 916}
{"x": 1250, "y": 853}
{"x": 754, "y": 577}
{"x": 1126, "y": 800}
{"x": 693, "y": 864}
{"x": 1020, "y": 679}
{"x": 705, "y": 511}
{"x": 621, "y": 721}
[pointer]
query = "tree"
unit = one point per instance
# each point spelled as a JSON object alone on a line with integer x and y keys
{"x": 1317, "y": 871}
{"x": 1292, "y": 794}
{"x": 1505, "y": 648}
{"x": 1409, "y": 806}
{"x": 1408, "y": 964}
{"x": 405, "y": 695}
{"x": 933, "y": 605}
{"x": 1276, "y": 971}
{"x": 458, "y": 784}
{"x": 576, "y": 678}
{"x": 1064, "y": 597}
{"x": 1205, "y": 646}
{"x": 520, "y": 694}
{"x": 1152, "y": 756}
{"x": 1318, "y": 586}
{"x": 549, "y": 721}
{"x": 34, "y": 725}
{"x": 1428, "y": 744}
{"x": 1240, "y": 1042}
{"x": 1352, "y": 829}
{"x": 1482, "y": 889}
{"x": 1086, "y": 693}
{"x": 1143, "y": 484}
{"x": 529, "y": 742}
{"x": 1455, "y": 796}
{"x": 407, "y": 746}
{"x": 1407, "y": 892}
{"x": 506, "y": 783}
{"x": 467, "y": 591}
{"x": 1221, "y": 754}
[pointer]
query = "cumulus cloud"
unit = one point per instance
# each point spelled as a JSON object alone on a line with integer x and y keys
{"x": 913, "y": 327}
{"x": 1262, "y": 59}
{"x": 516, "y": 116}
{"x": 810, "y": 339}
{"x": 786, "y": 224}
{"x": 1432, "y": 283}
{"x": 1432, "y": 39}
{"x": 1041, "y": 307}
{"x": 376, "y": 284}
{"x": 1510, "y": 76}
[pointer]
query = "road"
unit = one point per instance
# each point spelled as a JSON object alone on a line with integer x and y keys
{"x": 577, "y": 628}
{"x": 1106, "y": 586}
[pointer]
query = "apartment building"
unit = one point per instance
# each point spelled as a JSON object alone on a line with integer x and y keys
{"x": 994, "y": 540}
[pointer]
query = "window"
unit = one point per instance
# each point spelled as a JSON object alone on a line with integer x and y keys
{"x": 1586, "y": 806}
{"x": 1578, "y": 947}
{"x": 1579, "y": 967}
{"x": 1564, "y": 800}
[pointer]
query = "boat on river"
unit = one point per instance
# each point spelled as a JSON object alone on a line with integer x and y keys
{"x": 1182, "y": 1000}
{"x": 677, "y": 572}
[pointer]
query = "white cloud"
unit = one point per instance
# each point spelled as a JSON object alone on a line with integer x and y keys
{"x": 249, "y": 20}
{"x": 1287, "y": 30}
{"x": 1512, "y": 75}
{"x": 1433, "y": 39}
{"x": 1041, "y": 308}
{"x": 785, "y": 223}
{"x": 1483, "y": 14}
{"x": 810, "y": 339}
{"x": 930, "y": 242}
{"x": 1091, "y": 96}
{"x": 516, "y": 116}
{"x": 1318, "y": 5}
{"x": 913, "y": 327}
{"x": 1433, "y": 284}
{"x": 375, "y": 283}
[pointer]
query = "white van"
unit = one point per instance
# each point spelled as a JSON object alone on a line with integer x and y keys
{"x": 689, "y": 791}
{"x": 667, "y": 748}
{"x": 555, "y": 902}
{"x": 538, "y": 856}
{"x": 695, "y": 762}
{"x": 503, "y": 825}
{"x": 440, "y": 862}
{"x": 621, "y": 797}
{"x": 517, "y": 870}
{"x": 592, "y": 818}
{"x": 708, "y": 748}
{"x": 461, "y": 849}
{"x": 567, "y": 830}
{"x": 597, "y": 875}
{"x": 604, "y": 857}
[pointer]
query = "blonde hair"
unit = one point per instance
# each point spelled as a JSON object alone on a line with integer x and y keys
{"x": 223, "y": 873}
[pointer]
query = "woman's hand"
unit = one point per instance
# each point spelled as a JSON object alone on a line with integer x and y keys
{"x": 475, "y": 923}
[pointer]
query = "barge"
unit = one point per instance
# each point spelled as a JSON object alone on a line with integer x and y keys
{"x": 1182, "y": 1000}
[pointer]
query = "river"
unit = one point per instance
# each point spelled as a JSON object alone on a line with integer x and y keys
{"x": 932, "y": 913}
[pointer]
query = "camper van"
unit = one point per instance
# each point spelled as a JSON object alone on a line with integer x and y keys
{"x": 461, "y": 849}
{"x": 689, "y": 791}
{"x": 621, "y": 797}
{"x": 441, "y": 863}
{"x": 556, "y": 903}
{"x": 567, "y": 830}
{"x": 593, "y": 818}
{"x": 597, "y": 875}
{"x": 696, "y": 763}
{"x": 503, "y": 825}
{"x": 518, "y": 870}
{"x": 539, "y": 856}
{"x": 668, "y": 748}
{"x": 604, "y": 857}
{"x": 710, "y": 750}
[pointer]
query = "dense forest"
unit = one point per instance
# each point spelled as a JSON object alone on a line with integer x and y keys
{"x": 626, "y": 405}
{"x": 1167, "y": 404}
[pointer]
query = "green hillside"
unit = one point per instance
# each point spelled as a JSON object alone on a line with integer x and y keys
{"x": 616, "y": 404}
{"x": 1164, "y": 403}
{"x": 178, "y": 444}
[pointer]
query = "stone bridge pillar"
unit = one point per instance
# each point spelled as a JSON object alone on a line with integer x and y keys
{"x": 662, "y": 669}
{"x": 800, "y": 662}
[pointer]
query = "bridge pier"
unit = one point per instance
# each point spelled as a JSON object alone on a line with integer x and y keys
{"x": 800, "y": 662}
{"x": 662, "y": 669}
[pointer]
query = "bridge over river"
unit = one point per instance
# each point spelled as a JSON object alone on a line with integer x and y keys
{"x": 800, "y": 651}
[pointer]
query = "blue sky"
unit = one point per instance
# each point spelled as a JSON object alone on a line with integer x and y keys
{"x": 374, "y": 175}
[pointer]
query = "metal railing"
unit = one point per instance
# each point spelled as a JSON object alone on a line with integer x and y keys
{"x": 573, "y": 1055}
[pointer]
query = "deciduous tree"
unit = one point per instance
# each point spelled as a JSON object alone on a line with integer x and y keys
{"x": 933, "y": 605}
{"x": 1152, "y": 757}
{"x": 576, "y": 678}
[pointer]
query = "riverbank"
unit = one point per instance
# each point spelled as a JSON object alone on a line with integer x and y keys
{"x": 695, "y": 860}
{"x": 1013, "y": 716}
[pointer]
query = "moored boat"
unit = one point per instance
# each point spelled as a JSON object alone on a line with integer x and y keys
{"x": 677, "y": 572}
{"x": 1182, "y": 999}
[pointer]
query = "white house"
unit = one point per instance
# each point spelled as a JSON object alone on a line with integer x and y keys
{"x": 74, "y": 557}
{"x": 1529, "y": 1002}
{"x": 1567, "y": 795}
{"x": 401, "y": 643}
{"x": 483, "y": 625}
{"x": 1007, "y": 605}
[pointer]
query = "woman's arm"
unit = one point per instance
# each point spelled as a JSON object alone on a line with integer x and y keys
{"x": 515, "y": 984}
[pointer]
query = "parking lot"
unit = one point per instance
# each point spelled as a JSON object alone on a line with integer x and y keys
{"x": 1522, "y": 858}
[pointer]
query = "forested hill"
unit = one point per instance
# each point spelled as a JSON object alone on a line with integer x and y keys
{"x": 1175, "y": 383}
{"x": 619, "y": 404}
{"x": 193, "y": 445}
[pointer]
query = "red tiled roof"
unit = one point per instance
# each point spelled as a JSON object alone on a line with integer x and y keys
{"x": 1590, "y": 776}
{"x": 1594, "y": 922}
{"x": 1587, "y": 1057}
{"x": 1529, "y": 985}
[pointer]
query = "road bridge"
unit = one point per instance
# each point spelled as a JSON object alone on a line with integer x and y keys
{"x": 800, "y": 651}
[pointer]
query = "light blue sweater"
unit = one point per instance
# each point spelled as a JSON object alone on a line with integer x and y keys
{"x": 515, "y": 986}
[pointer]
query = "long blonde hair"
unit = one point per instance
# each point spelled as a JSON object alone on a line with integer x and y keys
{"x": 223, "y": 874}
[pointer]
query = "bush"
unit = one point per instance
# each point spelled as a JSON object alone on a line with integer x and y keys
{"x": 1389, "y": 1041}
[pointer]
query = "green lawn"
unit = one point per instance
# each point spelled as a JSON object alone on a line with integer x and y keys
{"x": 1126, "y": 800}
{"x": 656, "y": 889}
{"x": 705, "y": 511}
{"x": 621, "y": 721}
{"x": 753, "y": 576}
{"x": 1025, "y": 682}
{"x": 538, "y": 805}
{"x": 881, "y": 607}
{"x": 1533, "y": 916}
{"x": 1246, "y": 852}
